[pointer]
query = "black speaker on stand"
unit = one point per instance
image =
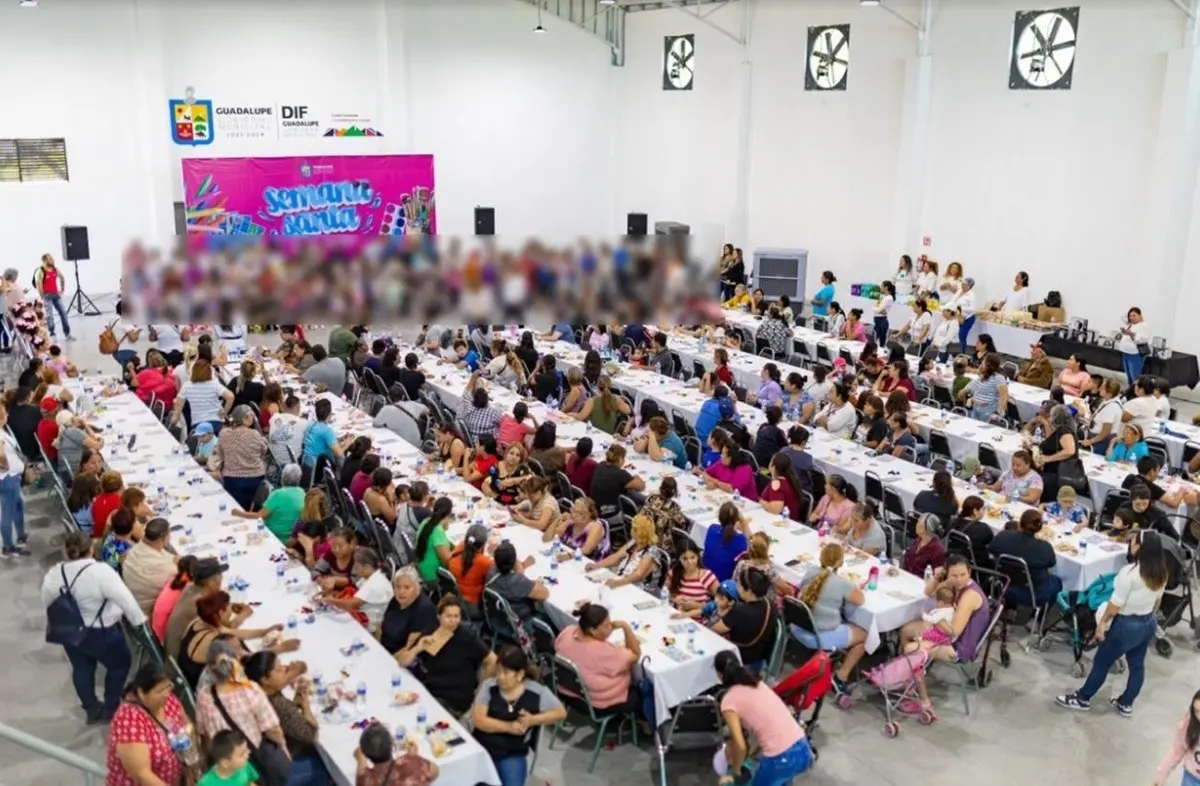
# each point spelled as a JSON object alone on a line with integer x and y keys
{"x": 75, "y": 248}
{"x": 485, "y": 221}
{"x": 637, "y": 225}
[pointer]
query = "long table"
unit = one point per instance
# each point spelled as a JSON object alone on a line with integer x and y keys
{"x": 1181, "y": 369}
{"x": 192, "y": 498}
{"x": 1076, "y": 566}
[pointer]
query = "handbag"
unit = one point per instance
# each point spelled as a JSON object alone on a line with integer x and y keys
{"x": 1072, "y": 473}
{"x": 109, "y": 343}
{"x": 272, "y": 762}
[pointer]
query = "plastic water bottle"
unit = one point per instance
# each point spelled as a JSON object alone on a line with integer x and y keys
{"x": 1037, "y": 434}
{"x": 1162, "y": 427}
{"x": 873, "y": 578}
{"x": 737, "y": 498}
{"x": 322, "y": 690}
{"x": 397, "y": 681}
{"x": 1083, "y": 549}
{"x": 280, "y": 569}
{"x": 224, "y": 557}
{"x": 292, "y": 622}
{"x": 361, "y": 695}
{"x": 399, "y": 741}
{"x": 181, "y": 744}
{"x": 421, "y": 716}
{"x": 691, "y": 629}
{"x": 928, "y": 572}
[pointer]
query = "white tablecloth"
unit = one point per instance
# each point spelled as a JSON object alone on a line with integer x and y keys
{"x": 200, "y": 504}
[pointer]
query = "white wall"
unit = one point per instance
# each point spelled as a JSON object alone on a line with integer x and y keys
{"x": 1054, "y": 183}
{"x": 517, "y": 122}
{"x": 68, "y": 71}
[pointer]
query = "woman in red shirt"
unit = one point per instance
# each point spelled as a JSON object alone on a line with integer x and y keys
{"x": 109, "y": 499}
{"x": 484, "y": 458}
{"x": 721, "y": 373}
{"x": 895, "y": 377}
{"x": 783, "y": 492}
{"x": 155, "y": 379}
{"x": 47, "y": 428}
{"x": 145, "y": 726}
{"x": 581, "y": 466}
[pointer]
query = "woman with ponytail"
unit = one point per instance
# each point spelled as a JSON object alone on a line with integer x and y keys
{"x": 603, "y": 409}
{"x": 825, "y": 595}
{"x": 749, "y": 705}
{"x": 725, "y": 540}
{"x": 470, "y": 564}
{"x": 433, "y": 547}
{"x": 783, "y": 494}
{"x": 165, "y": 603}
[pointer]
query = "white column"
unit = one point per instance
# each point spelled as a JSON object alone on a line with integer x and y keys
{"x": 395, "y": 108}
{"x": 914, "y": 144}
{"x": 739, "y": 223}
{"x": 1170, "y": 211}
{"x": 157, "y": 160}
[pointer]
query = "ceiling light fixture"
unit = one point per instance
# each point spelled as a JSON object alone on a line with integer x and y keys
{"x": 608, "y": 2}
{"x": 870, "y": 3}
{"x": 28, "y": 3}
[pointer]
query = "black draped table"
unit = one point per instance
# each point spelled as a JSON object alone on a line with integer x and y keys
{"x": 1180, "y": 369}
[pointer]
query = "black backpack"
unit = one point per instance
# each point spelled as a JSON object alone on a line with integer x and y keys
{"x": 64, "y": 621}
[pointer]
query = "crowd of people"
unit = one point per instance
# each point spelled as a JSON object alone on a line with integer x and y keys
{"x": 253, "y": 717}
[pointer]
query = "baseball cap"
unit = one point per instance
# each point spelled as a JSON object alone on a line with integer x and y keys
{"x": 730, "y": 589}
{"x": 207, "y": 568}
{"x": 1067, "y": 495}
{"x": 49, "y": 404}
{"x": 202, "y": 429}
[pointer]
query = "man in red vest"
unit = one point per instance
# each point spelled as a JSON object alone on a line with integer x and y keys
{"x": 49, "y": 282}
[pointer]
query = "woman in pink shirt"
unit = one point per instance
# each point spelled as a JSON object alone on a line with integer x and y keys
{"x": 750, "y": 706}
{"x": 854, "y": 330}
{"x": 1074, "y": 378}
{"x": 835, "y": 506}
{"x": 1185, "y": 749}
{"x": 732, "y": 474}
{"x": 605, "y": 668}
{"x": 164, "y": 604}
{"x": 514, "y": 428}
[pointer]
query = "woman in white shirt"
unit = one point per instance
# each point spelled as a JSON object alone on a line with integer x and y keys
{"x": 1018, "y": 298}
{"x": 1142, "y": 409}
{"x": 1102, "y": 426}
{"x": 836, "y": 319}
{"x": 920, "y": 326}
{"x": 839, "y": 417}
{"x": 170, "y": 340}
{"x": 1133, "y": 334}
{"x": 1137, "y": 593}
{"x": 232, "y": 338}
{"x": 12, "y": 507}
{"x": 209, "y": 399}
{"x": 1162, "y": 391}
{"x": 904, "y": 278}
{"x": 927, "y": 279}
{"x": 818, "y": 389}
{"x": 943, "y": 334}
{"x": 964, "y": 308}
{"x": 951, "y": 283}
{"x": 883, "y": 307}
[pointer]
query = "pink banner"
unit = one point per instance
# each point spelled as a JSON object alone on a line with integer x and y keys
{"x": 318, "y": 195}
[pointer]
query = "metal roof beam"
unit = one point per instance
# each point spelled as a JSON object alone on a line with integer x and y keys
{"x": 599, "y": 20}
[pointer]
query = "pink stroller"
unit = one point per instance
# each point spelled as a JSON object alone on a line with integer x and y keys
{"x": 897, "y": 681}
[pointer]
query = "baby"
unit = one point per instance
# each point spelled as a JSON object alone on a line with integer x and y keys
{"x": 944, "y": 612}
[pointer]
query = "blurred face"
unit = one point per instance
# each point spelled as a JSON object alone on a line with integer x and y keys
{"x": 343, "y": 549}
{"x": 604, "y": 629}
{"x": 1019, "y": 466}
{"x": 726, "y": 456}
{"x": 450, "y": 618}
{"x": 406, "y": 590}
{"x": 277, "y": 678}
{"x": 1140, "y": 505}
{"x": 508, "y": 679}
{"x": 580, "y": 513}
{"x": 1134, "y": 317}
{"x": 689, "y": 560}
{"x": 513, "y": 455}
{"x": 723, "y": 602}
{"x": 1129, "y": 435}
{"x": 1196, "y": 709}
{"x": 1073, "y": 363}
{"x": 958, "y": 576}
{"x": 920, "y": 528}
{"x": 156, "y": 697}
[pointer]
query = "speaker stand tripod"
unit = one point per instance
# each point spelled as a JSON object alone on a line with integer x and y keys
{"x": 80, "y": 297}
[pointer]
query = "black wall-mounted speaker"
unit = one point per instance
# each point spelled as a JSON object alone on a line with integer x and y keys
{"x": 636, "y": 225}
{"x": 75, "y": 243}
{"x": 485, "y": 221}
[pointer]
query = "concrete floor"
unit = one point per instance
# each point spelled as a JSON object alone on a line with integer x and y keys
{"x": 1014, "y": 733}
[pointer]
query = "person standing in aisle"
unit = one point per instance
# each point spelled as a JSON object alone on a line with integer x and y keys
{"x": 49, "y": 282}
{"x": 12, "y": 478}
{"x": 1137, "y": 592}
{"x": 103, "y": 601}
{"x": 1134, "y": 335}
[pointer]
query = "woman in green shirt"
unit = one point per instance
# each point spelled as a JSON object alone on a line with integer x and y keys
{"x": 603, "y": 409}
{"x": 282, "y": 508}
{"x": 433, "y": 546}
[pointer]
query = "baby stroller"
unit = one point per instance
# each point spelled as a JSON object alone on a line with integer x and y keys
{"x": 1079, "y": 611}
{"x": 898, "y": 681}
{"x": 1176, "y": 599}
{"x": 806, "y": 687}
